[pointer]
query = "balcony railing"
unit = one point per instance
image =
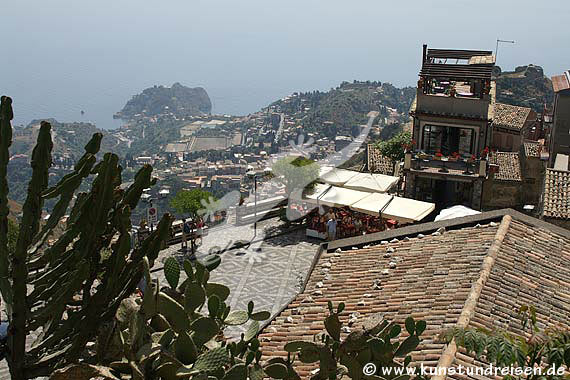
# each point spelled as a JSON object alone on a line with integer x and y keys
{"x": 453, "y": 105}
{"x": 454, "y": 165}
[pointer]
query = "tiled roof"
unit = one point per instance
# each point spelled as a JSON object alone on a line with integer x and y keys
{"x": 377, "y": 163}
{"x": 511, "y": 117}
{"x": 474, "y": 276}
{"x": 557, "y": 194}
{"x": 532, "y": 149}
{"x": 509, "y": 165}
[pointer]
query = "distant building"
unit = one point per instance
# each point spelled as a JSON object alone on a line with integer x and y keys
{"x": 341, "y": 142}
{"x": 560, "y": 133}
{"x": 556, "y": 195}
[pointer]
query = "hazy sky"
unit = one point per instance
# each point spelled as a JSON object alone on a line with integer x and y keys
{"x": 63, "y": 56}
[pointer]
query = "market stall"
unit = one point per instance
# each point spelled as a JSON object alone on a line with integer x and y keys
{"x": 402, "y": 210}
{"x": 377, "y": 183}
{"x": 361, "y": 212}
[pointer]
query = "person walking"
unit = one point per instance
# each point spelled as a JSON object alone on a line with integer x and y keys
{"x": 331, "y": 228}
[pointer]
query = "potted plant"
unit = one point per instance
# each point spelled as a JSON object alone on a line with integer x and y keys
{"x": 454, "y": 156}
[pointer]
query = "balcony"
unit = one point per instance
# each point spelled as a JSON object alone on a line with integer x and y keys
{"x": 419, "y": 163}
{"x": 453, "y": 105}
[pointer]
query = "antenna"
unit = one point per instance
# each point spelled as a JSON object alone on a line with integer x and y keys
{"x": 497, "y": 47}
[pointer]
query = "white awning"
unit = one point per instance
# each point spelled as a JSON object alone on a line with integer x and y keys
{"x": 404, "y": 210}
{"x": 334, "y": 196}
{"x": 455, "y": 212}
{"x": 378, "y": 183}
{"x": 338, "y": 177}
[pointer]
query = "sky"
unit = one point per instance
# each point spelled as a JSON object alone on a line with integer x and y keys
{"x": 63, "y": 56}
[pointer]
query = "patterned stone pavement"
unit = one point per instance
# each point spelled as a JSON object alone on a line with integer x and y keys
{"x": 269, "y": 275}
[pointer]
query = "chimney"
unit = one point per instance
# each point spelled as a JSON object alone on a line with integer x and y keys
{"x": 424, "y": 58}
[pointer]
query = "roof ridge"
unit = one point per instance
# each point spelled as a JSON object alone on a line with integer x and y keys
{"x": 448, "y": 355}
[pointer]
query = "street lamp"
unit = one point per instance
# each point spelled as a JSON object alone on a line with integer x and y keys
{"x": 253, "y": 175}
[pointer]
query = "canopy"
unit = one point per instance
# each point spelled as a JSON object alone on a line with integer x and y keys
{"x": 338, "y": 177}
{"x": 404, "y": 210}
{"x": 455, "y": 212}
{"x": 334, "y": 196}
{"x": 378, "y": 183}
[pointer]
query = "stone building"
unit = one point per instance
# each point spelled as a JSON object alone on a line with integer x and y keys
{"x": 503, "y": 186}
{"x": 556, "y": 195}
{"x": 510, "y": 126}
{"x": 560, "y": 134}
{"x": 533, "y": 170}
{"x": 452, "y": 117}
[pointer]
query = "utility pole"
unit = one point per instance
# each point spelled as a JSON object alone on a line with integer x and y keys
{"x": 497, "y": 47}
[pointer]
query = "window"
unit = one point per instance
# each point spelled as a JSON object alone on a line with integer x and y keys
{"x": 448, "y": 139}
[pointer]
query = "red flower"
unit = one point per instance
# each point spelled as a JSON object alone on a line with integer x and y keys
{"x": 438, "y": 154}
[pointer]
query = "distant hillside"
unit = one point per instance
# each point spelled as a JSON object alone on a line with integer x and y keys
{"x": 15, "y": 210}
{"x": 527, "y": 86}
{"x": 341, "y": 109}
{"x": 69, "y": 139}
{"x": 178, "y": 100}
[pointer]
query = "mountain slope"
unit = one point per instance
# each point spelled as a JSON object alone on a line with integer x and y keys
{"x": 527, "y": 86}
{"x": 178, "y": 99}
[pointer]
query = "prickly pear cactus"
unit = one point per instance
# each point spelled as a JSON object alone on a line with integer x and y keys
{"x": 185, "y": 324}
{"x": 172, "y": 272}
{"x": 71, "y": 270}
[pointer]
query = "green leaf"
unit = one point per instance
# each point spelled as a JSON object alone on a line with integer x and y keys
{"x": 173, "y": 312}
{"x": 237, "y": 372}
{"x": 203, "y": 329}
{"x": 420, "y": 327}
{"x": 250, "y": 307}
{"x": 256, "y": 372}
{"x": 185, "y": 349}
{"x": 333, "y": 325}
{"x": 238, "y": 317}
{"x": 194, "y": 296}
{"x": 299, "y": 345}
{"x": 340, "y": 308}
{"x": 260, "y": 316}
{"x": 276, "y": 371}
{"x": 220, "y": 290}
{"x": 188, "y": 269}
{"x": 410, "y": 325}
{"x": 209, "y": 361}
{"x": 172, "y": 272}
{"x": 395, "y": 331}
{"x": 407, "y": 346}
{"x": 251, "y": 331}
{"x": 213, "y": 306}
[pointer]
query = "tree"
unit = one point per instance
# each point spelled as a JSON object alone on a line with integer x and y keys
{"x": 81, "y": 278}
{"x": 191, "y": 201}
{"x": 531, "y": 349}
{"x": 296, "y": 173}
{"x": 396, "y": 146}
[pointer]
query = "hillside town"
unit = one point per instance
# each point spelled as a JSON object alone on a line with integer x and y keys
{"x": 290, "y": 242}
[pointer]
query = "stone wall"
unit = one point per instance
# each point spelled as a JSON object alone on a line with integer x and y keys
{"x": 501, "y": 194}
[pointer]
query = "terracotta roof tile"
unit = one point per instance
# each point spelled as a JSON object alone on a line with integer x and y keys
{"x": 511, "y": 117}
{"x": 436, "y": 279}
{"x": 532, "y": 149}
{"x": 557, "y": 194}
{"x": 509, "y": 165}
